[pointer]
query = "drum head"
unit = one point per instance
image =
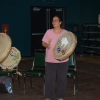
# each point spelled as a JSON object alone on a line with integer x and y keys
{"x": 65, "y": 46}
{"x": 5, "y": 46}
{"x": 12, "y": 60}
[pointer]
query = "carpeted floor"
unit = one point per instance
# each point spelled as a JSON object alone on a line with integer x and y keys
{"x": 88, "y": 74}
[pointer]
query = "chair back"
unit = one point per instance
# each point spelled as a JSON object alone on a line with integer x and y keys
{"x": 39, "y": 60}
{"x": 72, "y": 62}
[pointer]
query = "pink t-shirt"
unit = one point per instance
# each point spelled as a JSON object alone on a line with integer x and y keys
{"x": 49, "y": 52}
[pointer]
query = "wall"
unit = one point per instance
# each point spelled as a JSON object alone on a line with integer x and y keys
{"x": 89, "y": 15}
{"x": 16, "y": 13}
{"x": 89, "y": 11}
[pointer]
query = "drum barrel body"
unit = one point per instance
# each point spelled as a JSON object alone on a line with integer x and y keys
{"x": 65, "y": 46}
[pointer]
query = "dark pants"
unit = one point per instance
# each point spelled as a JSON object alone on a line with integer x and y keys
{"x": 55, "y": 71}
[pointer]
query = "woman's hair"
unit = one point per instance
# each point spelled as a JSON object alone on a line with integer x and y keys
{"x": 60, "y": 19}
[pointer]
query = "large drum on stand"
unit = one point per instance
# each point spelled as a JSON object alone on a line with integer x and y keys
{"x": 5, "y": 46}
{"x": 65, "y": 46}
{"x": 12, "y": 60}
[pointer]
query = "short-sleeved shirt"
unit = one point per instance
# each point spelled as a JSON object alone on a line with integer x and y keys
{"x": 54, "y": 38}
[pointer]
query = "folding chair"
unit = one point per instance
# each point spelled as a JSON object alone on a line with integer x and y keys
{"x": 72, "y": 70}
{"x": 38, "y": 68}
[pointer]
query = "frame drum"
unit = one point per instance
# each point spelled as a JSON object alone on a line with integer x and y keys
{"x": 5, "y": 46}
{"x": 65, "y": 46}
{"x": 12, "y": 60}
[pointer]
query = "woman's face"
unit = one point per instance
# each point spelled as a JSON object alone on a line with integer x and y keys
{"x": 56, "y": 22}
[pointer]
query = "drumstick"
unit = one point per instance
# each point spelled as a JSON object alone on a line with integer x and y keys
{"x": 50, "y": 40}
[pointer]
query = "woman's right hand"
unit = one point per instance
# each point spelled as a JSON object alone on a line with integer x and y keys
{"x": 46, "y": 45}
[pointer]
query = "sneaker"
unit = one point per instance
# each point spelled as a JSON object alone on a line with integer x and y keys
{"x": 60, "y": 99}
{"x": 48, "y": 99}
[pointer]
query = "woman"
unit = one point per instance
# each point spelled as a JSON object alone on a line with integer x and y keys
{"x": 54, "y": 68}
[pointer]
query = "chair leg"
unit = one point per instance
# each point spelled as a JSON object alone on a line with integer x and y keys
{"x": 18, "y": 80}
{"x": 31, "y": 81}
{"x": 44, "y": 86}
{"x": 74, "y": 85}
{"x": 24, "y": 83}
